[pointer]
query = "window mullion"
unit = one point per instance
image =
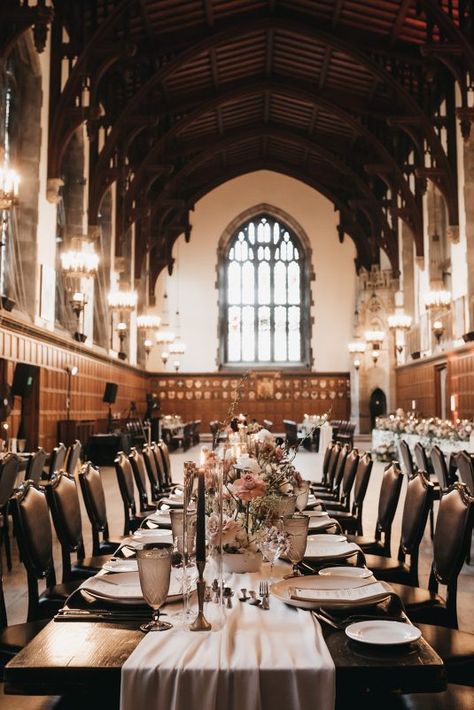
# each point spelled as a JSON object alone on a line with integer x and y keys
{"x": 255, "y": 309}
{"x": 272, "y": 304}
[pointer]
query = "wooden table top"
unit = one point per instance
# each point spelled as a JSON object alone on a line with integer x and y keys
{"x": 70, "y": 657}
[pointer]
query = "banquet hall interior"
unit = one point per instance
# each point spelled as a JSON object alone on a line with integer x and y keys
{"x": 233, "y": 230}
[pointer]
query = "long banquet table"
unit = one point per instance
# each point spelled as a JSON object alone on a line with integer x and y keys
{"x": 84, "y": 659}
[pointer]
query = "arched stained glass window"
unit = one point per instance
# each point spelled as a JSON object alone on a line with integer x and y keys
{"x": 264, "y": 296}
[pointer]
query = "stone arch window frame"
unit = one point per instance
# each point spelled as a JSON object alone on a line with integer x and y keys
{"x": 307, "y": 277}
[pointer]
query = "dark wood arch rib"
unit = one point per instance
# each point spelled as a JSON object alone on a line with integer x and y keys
{"x": 365, "y": 255}
{"x": 407, "y": 105}
{"x": 389, "y": 170}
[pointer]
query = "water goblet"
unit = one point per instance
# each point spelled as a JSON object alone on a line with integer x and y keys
{"x": 154, "y": 569}
{"x": 273, "y": 544}
{"x": 296, "y": 529}
{"x": 302, "y": 495}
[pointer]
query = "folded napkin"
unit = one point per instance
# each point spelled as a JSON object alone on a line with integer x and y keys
{"x": 258, "y": 660}
{"x": 374, "y": 591}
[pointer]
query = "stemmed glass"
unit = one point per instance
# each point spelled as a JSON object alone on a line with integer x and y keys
{"x": 302, "y": 495}
{"x": 154, "y": 569}
{"x": 183, "y": 554}
{"x": 273, "y": 544}
{"x": 296, "y": 528}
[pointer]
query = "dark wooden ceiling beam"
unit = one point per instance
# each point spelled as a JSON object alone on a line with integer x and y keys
{"x": 269, "y": 52}
{"x": 216, "y": 38}
{"x": 209, "y": 12}
{"x": 325, "y": 67}
{"x": 337, "y": 12}
{"x": 399, "y": 20}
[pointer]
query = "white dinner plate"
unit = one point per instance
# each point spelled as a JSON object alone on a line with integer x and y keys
{"x": 283, "y": 589}
{"x": 320, "y": 524}
{"x": 155, "y": 535}
{"x": 360, "y": 572}
{"x": 317, "y": 550}
{"x": 383, "y": 633}
{"x": 124, "y": 588}
{"x": 326, "y": 538}
{"x": 172, "y": 501}
{"x": 160, "y": 518}
{"x": 121, "y": 566}
{"x": 316, "y": 513}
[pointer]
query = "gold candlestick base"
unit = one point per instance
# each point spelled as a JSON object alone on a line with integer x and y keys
{"x": 200, "y": 623}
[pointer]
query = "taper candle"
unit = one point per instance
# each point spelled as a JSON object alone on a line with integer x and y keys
{"x": 201, "y": 519}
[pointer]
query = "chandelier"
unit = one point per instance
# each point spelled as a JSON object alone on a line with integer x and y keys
{"x": 437, "y": 299}
{"x": 356, "y": 349}
{"x": 122, "y": 300}
{"x": 164, "y": 337}
{"x": 148, "y": 322}
{"x": 79, "y": 263}
{"x": 399, "y": 321}
{"x": 9, "y": 183}
{"x": 177, "y": 347}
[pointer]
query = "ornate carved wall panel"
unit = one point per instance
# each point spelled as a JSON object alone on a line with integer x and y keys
{"x": 264, "y": 395}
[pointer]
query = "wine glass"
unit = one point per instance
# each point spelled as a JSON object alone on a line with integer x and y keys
{"x": 273, "y": 544}
{"x": 302, "y": 495}
{"x": 296, "y": 528}
{"x": 154, "y": 569}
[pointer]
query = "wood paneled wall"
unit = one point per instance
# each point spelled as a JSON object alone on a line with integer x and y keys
{"x": 205, "y": 396}
{"x": 418, "y": 381}
{"x": 87, "y": 388}
{"x": 264, "y": 395}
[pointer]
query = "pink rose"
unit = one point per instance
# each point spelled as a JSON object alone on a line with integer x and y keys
{"x": 249, "y": 486}
{"x": 230, "y": 529}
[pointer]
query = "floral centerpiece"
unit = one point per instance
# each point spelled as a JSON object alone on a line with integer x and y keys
{"x": 258, "y": 486}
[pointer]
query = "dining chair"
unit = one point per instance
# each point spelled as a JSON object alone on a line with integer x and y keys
{"x": 35, "y": 466}
{"x": 326, "y": 485}
{"x": 73, "y": 457}
{"x": 57, "y": 461}
{"x": 165, "y": 455}
{"x": 451, "y": 540}
{"x": 325, "y": 466}
{"x": 465, "y": 466}
{"x": 35, "y": 541}
{"x": 152, "y": 472}
{"x": 440, "y": 468}
{"x": 352, "y": 522}
{"x": 160, "y": 467}
{"x": 123, "y": 470}
{"x": 333, "y": 494}
{"x": 408, "y": 467}
{"x": 348, "y": 477}
{"x": 63, "y": 500}
{"x": 196, "y": 434}
{"x": 94, "y": 500}
{"x": 140, "y": 475}
{"x": 9, "y": 467}
{"x": 423, "y": 464}
{"x": 389, "y": 496}
{"x": 415, "y": 515}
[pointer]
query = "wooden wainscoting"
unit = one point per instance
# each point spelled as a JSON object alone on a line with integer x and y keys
{"x": 263, "y": 395}
{"x": 417, "y": 381}
{"x": 20, "y": 343}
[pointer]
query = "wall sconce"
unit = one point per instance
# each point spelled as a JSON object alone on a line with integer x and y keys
{"x": 78, "y": 302}
{"x": 374, "y": 338}
{"x": 357, "y": 348}
{"x": 147, "y": 346}
{"x": 399, "y": 323}
{"x": 9, "y": 183}
{"x": 438, "y": 330}
{"x": 164, "y": 357}
{"x": 121, "y": 330}
{"x": 176, "y": 365}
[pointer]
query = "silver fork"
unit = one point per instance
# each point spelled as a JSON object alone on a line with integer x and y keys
{"x": 263, "y": 592}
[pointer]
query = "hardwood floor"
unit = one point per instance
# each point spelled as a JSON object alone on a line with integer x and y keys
{"x": 309, "y": 464}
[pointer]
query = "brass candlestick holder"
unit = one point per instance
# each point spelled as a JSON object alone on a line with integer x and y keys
{"x": 200, "y": 623}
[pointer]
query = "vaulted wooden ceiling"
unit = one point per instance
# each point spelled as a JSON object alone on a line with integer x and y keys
{"x": 353, "y": 97}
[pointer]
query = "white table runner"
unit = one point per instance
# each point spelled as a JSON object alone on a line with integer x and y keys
{"x": 260, "y": 660}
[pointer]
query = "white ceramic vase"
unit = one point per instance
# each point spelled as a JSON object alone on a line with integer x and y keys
{"x": 242, "y": 562}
